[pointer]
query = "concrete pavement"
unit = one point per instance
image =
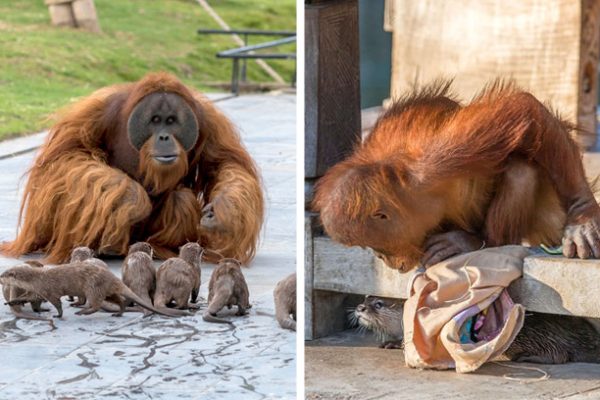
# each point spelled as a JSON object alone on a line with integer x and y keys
{"x": 350, "y": 366}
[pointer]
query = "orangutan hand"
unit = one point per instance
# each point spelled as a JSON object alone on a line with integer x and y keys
{"x": 582, "y": 240}
{"x": 441, "y": 246}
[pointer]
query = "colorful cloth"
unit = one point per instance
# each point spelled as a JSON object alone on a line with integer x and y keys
{"x": 458, "y": 314}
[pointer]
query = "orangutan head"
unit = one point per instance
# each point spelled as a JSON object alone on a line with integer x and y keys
{"x": 163, "y": 128}
{"x": 374, "y": 204}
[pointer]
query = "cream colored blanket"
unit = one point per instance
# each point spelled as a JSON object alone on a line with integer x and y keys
{"x": 459, "y": 314}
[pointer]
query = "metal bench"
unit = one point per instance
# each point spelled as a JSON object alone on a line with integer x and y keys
{"x": 248, "y": 51}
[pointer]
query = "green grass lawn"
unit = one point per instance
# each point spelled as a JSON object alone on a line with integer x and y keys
{"x": 43, "y": 68}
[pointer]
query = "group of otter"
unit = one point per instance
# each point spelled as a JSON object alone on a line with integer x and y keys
{"x": 171, "y": 290}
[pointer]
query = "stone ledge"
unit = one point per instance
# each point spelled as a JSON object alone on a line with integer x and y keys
{"x": 559, "y": 285}
{"x": 549, "y": 284}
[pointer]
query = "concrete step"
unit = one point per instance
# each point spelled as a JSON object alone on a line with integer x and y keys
{"x": 550, "y": 284}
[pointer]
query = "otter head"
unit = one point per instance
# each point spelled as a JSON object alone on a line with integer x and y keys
{"x": 20, "y": 276}
{"x": 230, "y": 265}
{"x": 381, "y": 315}
{"x": 143, "y": 247}
{"x": 81, "y": 253}
{"x": 191, "y": 252}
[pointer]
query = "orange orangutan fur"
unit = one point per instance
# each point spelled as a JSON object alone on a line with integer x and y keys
{"x": 502, "y": 167}
{"x": 73, "y": 197}
{"x": 160, "y": 178}
{"x": 176, "y": 223}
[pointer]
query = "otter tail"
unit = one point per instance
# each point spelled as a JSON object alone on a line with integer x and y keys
{"x": 20, "y": 314}
{"x": 286, "y": 321}
{"x": 172, "y": 312}
{"x": 588, "y": 352}
{"x": 208, "y": 317}
{"x": 113, "y": 308}
{"x": 130, "y": 295}
{"x": 145, "y": 311}
{"x": 220, "y": 299}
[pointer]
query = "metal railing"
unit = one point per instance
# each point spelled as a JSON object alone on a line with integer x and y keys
{"x": 248, "y": 51}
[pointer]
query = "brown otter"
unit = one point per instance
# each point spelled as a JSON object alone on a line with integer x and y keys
{"x": 84, "y": 254}
{"x": 555, "y": 339}
{"x": 178, "y": 278}
{"x": 285, "y": 302}
{"x": 11, "y": 292}
{"x": 138, "y": 272}
{"x": 544, "y": 338}
{"x": 227, "y": 287}
{"x": 84, "y": 280}
{"x": 384, "y": 317}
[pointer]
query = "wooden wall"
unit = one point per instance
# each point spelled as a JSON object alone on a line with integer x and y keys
{"x": 549, "y": 47}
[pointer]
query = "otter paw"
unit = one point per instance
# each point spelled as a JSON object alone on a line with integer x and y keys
{"x": 582, "y": 240}
{"x": 392, "y": 345}
{"x": 16, "y": 303}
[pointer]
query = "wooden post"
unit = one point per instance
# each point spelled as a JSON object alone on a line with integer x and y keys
{"x": 332, "y": 87}
{"x": 332, "y": 128}
{"x": 588, "y": 72}
{"x": 61, "y": 13}
{"x": 85, "y": 15}
{"x": 74, "y": 14}
{"x": 309, "y": 221}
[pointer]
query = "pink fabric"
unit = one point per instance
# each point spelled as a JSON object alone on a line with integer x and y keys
{"x": 448, "y": 294}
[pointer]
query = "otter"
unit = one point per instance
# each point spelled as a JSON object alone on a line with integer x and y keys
{"x": 83, "y": 254}
{"x": 11, "y": 292}
{"x": 227, "y": 287}
{"x": 138, "y": 272}
{"x": 383, "y": 316}
{"x": 178, "y": 279}
{"x": 555, "y": 339}
{"x": 81, "y": 279}
{"x": 543, "y": 339}
{"x": 285, "y": 302}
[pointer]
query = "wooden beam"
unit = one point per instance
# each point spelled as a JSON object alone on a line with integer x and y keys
{"x": 554, "y": 285}
{"x": 332, "y": 89}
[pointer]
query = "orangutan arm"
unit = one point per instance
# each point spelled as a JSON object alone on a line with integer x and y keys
{"x": 78, "y": 201}
{"x": 233, "y": 208}
{"x": 72, "y": 197}
{"x": 232, "y": 219}
{"x": 481, "y": 138}
{"x": 441, "y": 246}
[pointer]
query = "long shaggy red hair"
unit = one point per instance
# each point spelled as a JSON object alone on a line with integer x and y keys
{"x": 503, "y": 166}
{"x": 74, "y": 197}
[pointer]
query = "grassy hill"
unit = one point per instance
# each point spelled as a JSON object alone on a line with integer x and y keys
{"x": 43, "y": 68}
